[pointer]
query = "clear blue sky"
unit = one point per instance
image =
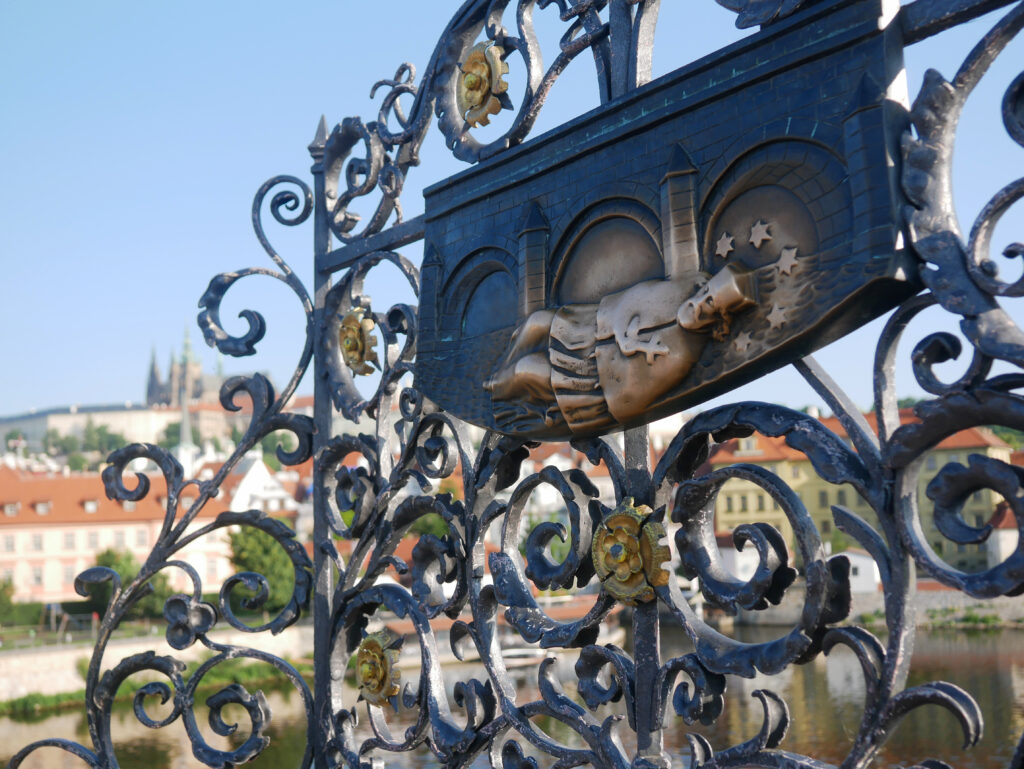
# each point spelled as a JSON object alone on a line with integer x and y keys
{"x": 133, "y": 136}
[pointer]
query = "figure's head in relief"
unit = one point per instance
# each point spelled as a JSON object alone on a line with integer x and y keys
{"x": 714, "y": 303}
{"x": 583, "y": 368}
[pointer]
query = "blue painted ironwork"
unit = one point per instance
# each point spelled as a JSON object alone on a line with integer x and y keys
{"x": 414, "y": 446}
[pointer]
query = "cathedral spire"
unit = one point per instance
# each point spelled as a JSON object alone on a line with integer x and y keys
{"x": 187, "y": 356}
{"x": 153, "y": 383}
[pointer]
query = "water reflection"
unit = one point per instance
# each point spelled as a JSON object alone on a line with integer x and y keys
{"x": 825, "y": 698}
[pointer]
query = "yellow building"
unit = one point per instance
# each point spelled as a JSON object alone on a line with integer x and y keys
{"x": 744, "y": 502}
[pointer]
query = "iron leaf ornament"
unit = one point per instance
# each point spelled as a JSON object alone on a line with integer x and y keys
{"x": 761, "y": 12}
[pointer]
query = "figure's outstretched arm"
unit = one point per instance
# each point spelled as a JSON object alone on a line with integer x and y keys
{"x": 631, "y": 342}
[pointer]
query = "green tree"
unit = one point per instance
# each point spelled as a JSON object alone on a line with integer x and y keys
{"x": 100, "y": 438}
{"x": 431, "y": 523}
{"x": 50, "y": 440}
{"x": 67, "y": 444}
{"x": 255, "y": 550}
{"x": 840, "y": 541}
{"x": 124, "y": 563}
{"x": 270, "y": 444}
{"x": 90, "y": 436}
{"x": 6, "y": 600}
{"x": 13, "y": 435}
{"x": 1014, "y": 437}
{"x": 77, "y": 462}
{"x": 172, "y": 436}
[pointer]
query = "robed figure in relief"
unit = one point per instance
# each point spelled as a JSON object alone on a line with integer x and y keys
{"x": 594, "y": 366}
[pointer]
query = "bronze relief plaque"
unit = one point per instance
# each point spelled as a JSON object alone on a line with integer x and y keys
{"x": 715, "y": 224}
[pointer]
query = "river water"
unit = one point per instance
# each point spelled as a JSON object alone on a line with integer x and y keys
{"x": 825, "y": 698}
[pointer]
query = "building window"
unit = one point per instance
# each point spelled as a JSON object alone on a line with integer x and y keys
{"x": 90, "y": 505}
{"x": 273, "y": 505}
{"x": 938, "y": 546}
{"x": 8, "y": 543}
{"x": 931, "y": 463}
{"x": 961, "y": 548}
{"x": 69, "y": 575}
{"x": 43, "y": 508}
{"x": 743, "y": 503}
{"x": 854, "y": 571}
{"x": 979, "y": 521}
{"x": 954, "y": 458}
{"x": 37, "y": 576}
{"x": 93, "y": 539}
{"x": 826, "y": 527}
{"x": 976, "y": 496}
{"x": 775, "y": 504}
{"x": 795, "y": 471}
{"x": 119, "y": 538}
{"x": 69, "y": 540}
{"x": 7, "y": 575}
{"x": 760, "y": 503}
{"x": 140, "y": 537}
{"x": 728, "y": 504}
{"x": 11, "y": 509}
{"x": 128, "y": 506}
{"x": 37, "y": 541}
{"x": 841, "y": 497}
{"x": 822, "y": 498}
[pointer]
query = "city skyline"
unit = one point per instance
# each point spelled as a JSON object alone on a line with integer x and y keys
{"x": 132, "y": 159}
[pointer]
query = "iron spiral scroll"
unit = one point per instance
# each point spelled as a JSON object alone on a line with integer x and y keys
{"x": 621, "y": 700}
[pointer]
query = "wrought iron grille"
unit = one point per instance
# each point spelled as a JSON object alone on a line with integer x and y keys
{"x": 618, "y": 544}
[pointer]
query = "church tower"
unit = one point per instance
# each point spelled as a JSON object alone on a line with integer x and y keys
{"x": 154, "y": 385}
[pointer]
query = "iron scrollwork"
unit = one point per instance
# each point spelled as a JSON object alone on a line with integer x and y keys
{"x": 372, "y": 489}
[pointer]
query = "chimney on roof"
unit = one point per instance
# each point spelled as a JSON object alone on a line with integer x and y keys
{"x": 812, "y": 411}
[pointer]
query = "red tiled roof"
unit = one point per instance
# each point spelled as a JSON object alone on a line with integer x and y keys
{"x": 1003, "y": 517}
{"x": 301, "y": 402}
{"x": 767, "y": 450}
{"x": 971, "y": 438}
{"x": 775, "y": 449}
{"x": 67, "y": 496}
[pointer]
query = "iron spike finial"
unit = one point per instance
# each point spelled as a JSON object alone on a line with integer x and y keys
{"x": 320, "y": 138}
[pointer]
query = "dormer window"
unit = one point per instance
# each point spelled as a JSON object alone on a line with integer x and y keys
{"x": 128, "y": 506}
{"x": 91, "y": 505}
{"x": 11, "y": 509}
{"x": 747, "y": 446}
{"x": 43, "y": 508}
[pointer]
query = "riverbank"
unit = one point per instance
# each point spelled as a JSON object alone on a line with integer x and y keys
{"x": 935, "y": 605}
{"x": 248, "y": 673}
{"x": 57, "y": 670}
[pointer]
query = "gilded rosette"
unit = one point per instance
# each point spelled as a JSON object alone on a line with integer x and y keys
{"x": 482, "y": 81}
{"x": 357, "y": 342}
{"x": 377, "y": 673}
{"x": 628, "y": 553}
